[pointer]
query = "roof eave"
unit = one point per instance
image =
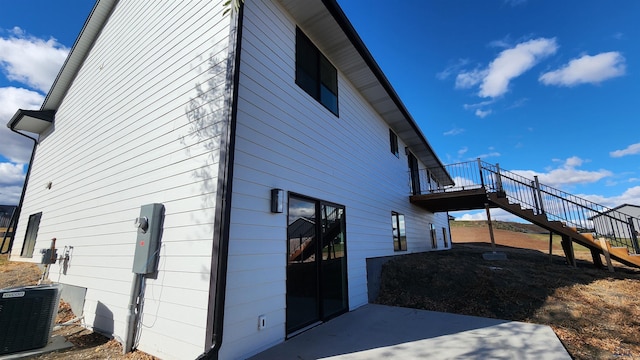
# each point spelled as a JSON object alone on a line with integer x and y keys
{"x": 33, "y": 121}
{"x": 83, "y": 44}
{"x": 420, "y": 146}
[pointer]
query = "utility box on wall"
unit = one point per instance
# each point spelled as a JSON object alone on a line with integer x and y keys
{"x": 149, "y": 224}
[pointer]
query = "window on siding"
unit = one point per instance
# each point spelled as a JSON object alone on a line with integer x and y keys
{"x": 315, "y": 74}
{"x": 434, "y": 237}
{"x": 445, "y": 237}
{"x": 399, "y": 233}
{"x": 393, "y": 141}
{"x": 31, "y": 235}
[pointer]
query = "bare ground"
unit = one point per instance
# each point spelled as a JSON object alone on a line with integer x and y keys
{"x": 87, "y": 344}
{"x": 595, "y": 313}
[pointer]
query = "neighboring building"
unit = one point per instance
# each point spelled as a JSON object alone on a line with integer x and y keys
{"x": 6, "y": 212}
{"x": 616, "y": 221}
{"x": 172, "y": 102}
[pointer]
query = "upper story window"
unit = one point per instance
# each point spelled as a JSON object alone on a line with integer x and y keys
{"x": 393, "y": 141}
{"x": 315, "y": 74}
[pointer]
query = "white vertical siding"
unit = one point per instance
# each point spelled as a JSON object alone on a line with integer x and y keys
{"x": 139, "y": 125}
{"x": 286, "y": 139}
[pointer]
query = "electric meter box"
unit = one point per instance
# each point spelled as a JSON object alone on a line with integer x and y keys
{"x": 149, "y": 225}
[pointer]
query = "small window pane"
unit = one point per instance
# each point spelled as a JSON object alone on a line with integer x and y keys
{"x": 434, "y": 237}
{"x": 30, "y": 237}
{"x": 328, "y": 75}
{"x": 393, "y": 141}
{"x": 399, "y": 233}
{"x": 329, "y": 99}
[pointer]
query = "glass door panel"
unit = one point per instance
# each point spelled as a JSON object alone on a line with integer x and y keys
{"x": 334, "y": 261}
{"x": 316, "y": 262}
{"x": 302, "y": 268}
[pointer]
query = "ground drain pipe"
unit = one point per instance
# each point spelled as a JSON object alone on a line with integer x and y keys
{"x": 133, "y": 313}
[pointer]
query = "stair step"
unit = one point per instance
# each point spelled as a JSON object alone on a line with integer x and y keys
{"x": 588, "y": 236}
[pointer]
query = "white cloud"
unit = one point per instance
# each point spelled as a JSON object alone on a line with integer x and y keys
{"x": 481, "y": 215}
{"x": 512, "y": 63}
{"x": 452, "y": 68}
{"x": 463, "y": 151}
{"x": 483, "y": 113}
{"x": 10, "y": 195}
{"x": 488, "y": 155}
{"x": 469, "y": 79}
{"x": 14, "y": 147}
{"x": 11, "y": 174}
{"x": 587, "y": 70}
{"x": 509, "y": 64}
{"x": 478, "y": 105}
{"x": 632, "y": 149}
{"x": 30, "y": 60}
{"x": 566, "y": 174}
{"x": 453, "y": 132}
{"x": 630, "y": 196}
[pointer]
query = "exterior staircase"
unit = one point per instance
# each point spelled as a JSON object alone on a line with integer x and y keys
{"x": 479, "y": 185}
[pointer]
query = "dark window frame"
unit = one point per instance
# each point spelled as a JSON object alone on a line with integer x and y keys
{"x": 446, "y": 238}
{"x": 434, "y": 236}
{"x": 31, "y": 235}
{"x": 393, "y": 143}
{"x": 315, "y": 74}
{"x": 399, "y": 231}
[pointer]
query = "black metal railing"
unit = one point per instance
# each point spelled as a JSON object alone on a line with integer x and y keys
{"x": 557, "y": 205}
{"x": 7, "y": 228}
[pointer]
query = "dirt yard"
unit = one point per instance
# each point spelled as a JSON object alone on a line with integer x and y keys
{"x": 595, "y": 313}
{"x": 87, "y": 344}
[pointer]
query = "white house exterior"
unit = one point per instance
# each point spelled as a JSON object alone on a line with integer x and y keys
{"x": 174, "y": 103}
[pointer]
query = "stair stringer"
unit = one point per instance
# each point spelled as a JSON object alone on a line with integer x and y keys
{"x": 619, "y": 254}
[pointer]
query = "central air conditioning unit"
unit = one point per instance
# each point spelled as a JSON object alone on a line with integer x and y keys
{"x": 27, "y": 316}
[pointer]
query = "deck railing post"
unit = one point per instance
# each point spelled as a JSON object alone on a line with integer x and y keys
{"x": 539, "y": 193}
{"x": 480, "y": 170}
{"x": 499, "y": 179}
{"x": 634, "y": 236}
{"x": 535, "y": 197}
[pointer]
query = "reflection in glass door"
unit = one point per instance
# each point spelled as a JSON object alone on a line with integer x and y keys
{"x": 316, "y": 262}
{"x": 302, "y": 270}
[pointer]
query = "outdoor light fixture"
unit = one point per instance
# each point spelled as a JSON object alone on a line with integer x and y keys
{"x": 277, "y": 200}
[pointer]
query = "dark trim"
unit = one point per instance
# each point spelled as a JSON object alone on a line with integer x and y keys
{"x": 44, "y": 115}
{"x": 348, "y": 29}
{"x": 220, "y": 250}
{"x": 16, "y": 213}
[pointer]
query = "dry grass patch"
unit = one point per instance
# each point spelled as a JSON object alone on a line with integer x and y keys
{"x": 86, "y": 343}
{"x": 596, "y": 314}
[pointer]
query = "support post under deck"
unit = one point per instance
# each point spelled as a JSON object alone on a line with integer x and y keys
{"x": 493, "y": 255}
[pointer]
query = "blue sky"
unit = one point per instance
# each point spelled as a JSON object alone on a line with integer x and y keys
{"x": 547, "y": 88}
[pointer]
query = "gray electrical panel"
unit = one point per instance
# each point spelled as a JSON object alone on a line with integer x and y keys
{"x": 149, "y": 226}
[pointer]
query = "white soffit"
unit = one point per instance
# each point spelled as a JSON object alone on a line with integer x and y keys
{"x": 320, "y": 25}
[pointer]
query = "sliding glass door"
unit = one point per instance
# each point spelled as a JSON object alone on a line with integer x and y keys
{"x": 316, "y": 262}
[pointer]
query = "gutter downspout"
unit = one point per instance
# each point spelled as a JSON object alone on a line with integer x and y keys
{"x": 16, "y": 213}
{"x": 220, "y": 248}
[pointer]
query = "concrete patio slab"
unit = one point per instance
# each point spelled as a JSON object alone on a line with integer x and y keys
{"x": 386, "y": 332}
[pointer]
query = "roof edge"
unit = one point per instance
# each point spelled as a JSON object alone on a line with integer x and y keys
{"x": 341, "y": 18}
{"x": 90, "y": 30}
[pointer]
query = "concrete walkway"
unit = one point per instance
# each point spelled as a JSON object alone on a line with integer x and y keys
{"x": 386, "y": 332}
